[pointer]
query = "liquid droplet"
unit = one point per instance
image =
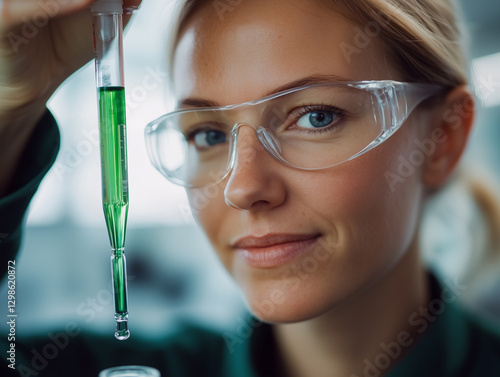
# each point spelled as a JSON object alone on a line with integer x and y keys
{"x": 122, "y": 332}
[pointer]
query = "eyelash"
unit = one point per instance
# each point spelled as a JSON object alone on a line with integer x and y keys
{"x": 296, "y": 114}
{"x": 192, "y": 133}
{"x": 301, "y": 111}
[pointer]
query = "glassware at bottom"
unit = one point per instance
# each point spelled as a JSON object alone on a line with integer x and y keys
{"x": 130, "y": 371}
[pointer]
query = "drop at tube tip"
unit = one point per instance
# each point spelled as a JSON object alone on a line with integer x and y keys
{"x": 122, "y": 332}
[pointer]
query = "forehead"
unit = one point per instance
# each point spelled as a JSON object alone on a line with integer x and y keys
{"x": 241, "y": 52}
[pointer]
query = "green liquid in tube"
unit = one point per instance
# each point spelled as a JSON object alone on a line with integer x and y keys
{"x": 115, "y": 192}
{"x": 114, "y": 162}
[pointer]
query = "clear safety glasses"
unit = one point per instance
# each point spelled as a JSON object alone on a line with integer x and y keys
{"x": 312, "y": 127}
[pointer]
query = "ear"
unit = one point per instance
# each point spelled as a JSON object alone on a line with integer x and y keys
{"x": 452, "y": 120}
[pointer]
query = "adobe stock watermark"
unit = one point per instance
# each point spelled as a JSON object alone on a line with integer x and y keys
{"x": 200, "y": 197}
{"x": 487, "y": 86}
{"x": 49, "y": 351}
{"x": 363, "y": 37}
{"x": 59, "y": 341}
{"x": 93, "y": 305}
{"x": 72, "y": 156}
{"x": 419, "y": 321}
{"x": 151, "y": 81}
{"x": 296, "y": 274}
{"x": 407, "y": 166}
{"x": 293, "y": 278}
{"x": 30, "y": 27}
{"x": 422, "y": 149}
{"x": 225, "y": 6}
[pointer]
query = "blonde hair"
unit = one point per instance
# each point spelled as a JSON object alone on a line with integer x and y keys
{"x": 422, "y": 36}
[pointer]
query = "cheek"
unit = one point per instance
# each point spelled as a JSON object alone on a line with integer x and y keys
{"x": 368, "y": 228}
{"x": 372, "y": 204}
{"x": 371, "y": 227}
{"x": 211, "y": 212}
{"x": 372, "y": 196}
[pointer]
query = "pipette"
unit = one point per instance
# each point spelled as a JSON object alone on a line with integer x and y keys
{"x": 108, "y": 42}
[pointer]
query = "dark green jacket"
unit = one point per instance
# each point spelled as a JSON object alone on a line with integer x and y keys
{"x": 454, "y": 343}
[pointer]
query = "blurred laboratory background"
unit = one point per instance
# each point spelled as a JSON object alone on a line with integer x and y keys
{"x": 64, "y": 268}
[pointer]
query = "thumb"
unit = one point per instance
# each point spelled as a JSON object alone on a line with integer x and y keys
{"x": 13, "y": 12}
{"x": 130, "y": 6}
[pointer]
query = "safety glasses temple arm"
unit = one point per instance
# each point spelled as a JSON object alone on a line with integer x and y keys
{"x": 405, "y": 98}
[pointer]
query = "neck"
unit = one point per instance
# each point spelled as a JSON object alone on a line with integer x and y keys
{"x": 351, "y": 336}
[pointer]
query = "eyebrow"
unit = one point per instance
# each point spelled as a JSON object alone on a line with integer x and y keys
{"x": 308, "y": 80}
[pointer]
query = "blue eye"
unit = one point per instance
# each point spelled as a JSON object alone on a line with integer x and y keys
{"x": 209, "y": 138}
{"x": 317, "y": 119}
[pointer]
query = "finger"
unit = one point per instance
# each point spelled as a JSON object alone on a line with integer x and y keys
{"x": 130, "y": 6}
{"x": 13, "y": 12}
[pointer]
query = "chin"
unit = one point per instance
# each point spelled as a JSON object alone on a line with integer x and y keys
{"x": 290, "y": 312}
{"x": 275, "y": 299}
{"x": 283, "y": 304}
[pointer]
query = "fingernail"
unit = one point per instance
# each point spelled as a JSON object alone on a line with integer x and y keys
{"x": 130, "y": 10}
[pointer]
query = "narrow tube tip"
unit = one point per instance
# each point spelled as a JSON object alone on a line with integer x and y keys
{"x": 122, "y": 332}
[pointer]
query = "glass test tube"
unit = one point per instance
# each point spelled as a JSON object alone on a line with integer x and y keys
{"x": 108, "y": 29}
{"x": 130, "y": 371}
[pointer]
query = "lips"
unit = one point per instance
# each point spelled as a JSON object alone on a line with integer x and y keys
{"x": 273, "y": 250}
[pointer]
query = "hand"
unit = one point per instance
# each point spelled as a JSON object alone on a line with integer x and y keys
{"x": 42, "y": 42}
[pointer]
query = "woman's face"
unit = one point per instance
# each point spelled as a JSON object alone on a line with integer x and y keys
{"x": 297, "y": 242}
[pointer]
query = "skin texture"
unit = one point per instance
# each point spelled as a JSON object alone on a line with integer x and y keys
{"x": 367, "y": 266}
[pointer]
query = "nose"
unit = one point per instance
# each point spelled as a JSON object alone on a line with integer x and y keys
{"x": 254, "y": 181}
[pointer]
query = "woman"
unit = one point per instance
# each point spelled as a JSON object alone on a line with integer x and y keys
{"x": 314, "y": 182}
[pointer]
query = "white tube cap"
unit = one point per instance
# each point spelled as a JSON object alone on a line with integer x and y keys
{"x": 107, "y": 6}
